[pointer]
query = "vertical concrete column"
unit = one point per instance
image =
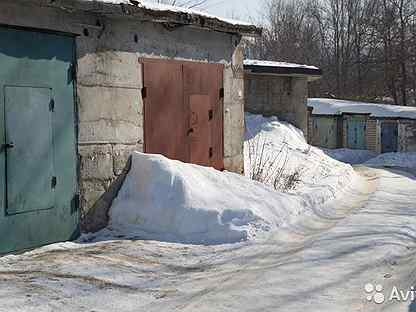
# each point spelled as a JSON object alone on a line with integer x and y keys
{"x": 234, "y": 129}
{"x": 299, "y": 104}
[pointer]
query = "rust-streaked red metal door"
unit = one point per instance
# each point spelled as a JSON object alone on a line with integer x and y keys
{"x": 200, "y": 140}
{"x": 183, "y": 108}
{"x": 164, "y": 131}
{"x": 202, "y": 93}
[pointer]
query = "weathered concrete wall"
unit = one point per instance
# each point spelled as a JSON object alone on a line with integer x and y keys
{"x": 109, "y": 83}
{"x": 284, "y": 97}
{"x": 234, "y": 129}
{"x": 407, "y": 136}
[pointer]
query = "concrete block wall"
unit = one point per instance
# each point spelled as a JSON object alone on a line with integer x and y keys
{"x": 284, "y": 97}
{"x": 110, "y": 109}
{"x": 407, "y": 136}
{"x": 234, "y": 129}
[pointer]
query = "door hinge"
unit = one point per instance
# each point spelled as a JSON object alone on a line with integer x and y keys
{"x": 221, "y": 93}
{"x": 53, "y": 182}
{"x": 72, "y": 73}
{"x": 144, "y": 92}
{"x": 52, "y": 105}
{"x": 75, "y": 204}
{"x": 211, "y": 114}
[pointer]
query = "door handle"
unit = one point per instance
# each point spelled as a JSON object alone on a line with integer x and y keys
{"x": 8, "y": 145}
{"x": 190, "y": 131}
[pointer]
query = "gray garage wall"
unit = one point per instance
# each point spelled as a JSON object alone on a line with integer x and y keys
{"x": 284, "y": 97}
{"x": 110, "y": 107}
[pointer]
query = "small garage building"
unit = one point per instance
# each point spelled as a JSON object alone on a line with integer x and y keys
{"x": 84, "y": 83}
{"x": 279, "y": 89}
{"x": 366, "y": 126}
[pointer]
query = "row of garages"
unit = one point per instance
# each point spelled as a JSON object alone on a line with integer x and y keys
{"x": 363, "y": 131}
{"x": 96, "y": 80}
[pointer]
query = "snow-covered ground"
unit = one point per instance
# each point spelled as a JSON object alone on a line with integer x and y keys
{"x": 320, "y": 260}
{"x": 403, "y": 160}
{"x": 350, "y": 156}
{"x": 320, "y": 263}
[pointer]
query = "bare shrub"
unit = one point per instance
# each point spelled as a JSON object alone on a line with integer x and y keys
{"x": 269, "y": 165}
{"x": 289, "y": 182}
{"x": 265, "y": 165}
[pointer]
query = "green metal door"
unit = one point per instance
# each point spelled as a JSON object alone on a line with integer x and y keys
{"x": 357, "y": 133}
{"x": 38, "y": 171}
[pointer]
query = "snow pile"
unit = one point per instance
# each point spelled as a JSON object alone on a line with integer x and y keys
{"x": 277, "y": 64}
{"x": 321, "y": 177}
{"x": 337, "y": 107}
{"x": 403, "y": 160}
{"x": 168, "y": 200}
{"x": 350, "y": 156}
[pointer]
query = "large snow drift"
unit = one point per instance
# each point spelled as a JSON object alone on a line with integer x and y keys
{"x": 168, "y": 200}
{"x": 350, "y": 156}
{"x": 337, "y": 107}
{"x": 403, "y": 160}
{"x": 320, "y": 175}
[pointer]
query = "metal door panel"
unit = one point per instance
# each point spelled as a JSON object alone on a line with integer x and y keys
{"x": 34, "y": 67}
{"x": 207, "y": 79}
{"x": 324, "y": 132}
{"x": 200, "y": 136}
{"x": 174, "y": 89}
{"x": 29, "y": 163}
{"x": 356, "y": 133}
{"x": 389, "y": 137}
{"x": 165, "y": 129}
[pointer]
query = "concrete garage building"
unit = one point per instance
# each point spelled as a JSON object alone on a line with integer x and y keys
{"x": 279, "y": 89}
{"x": 85, "y": 83}
{"x": 366, "y": 126}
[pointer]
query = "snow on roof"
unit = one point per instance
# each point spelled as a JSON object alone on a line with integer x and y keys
{"x": 337, "y": 107}
{"x": 277, "y": 64}
{"x": 282, "y": 69}
{"x": 153, "y": 6}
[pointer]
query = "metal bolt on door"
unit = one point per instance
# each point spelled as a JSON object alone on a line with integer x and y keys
{"x": 38, "y": 178}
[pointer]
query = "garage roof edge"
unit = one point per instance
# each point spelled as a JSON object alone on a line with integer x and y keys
{"x": 170, "y": 16}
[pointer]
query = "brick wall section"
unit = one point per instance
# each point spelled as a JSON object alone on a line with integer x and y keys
{"x": 372, "y": 136}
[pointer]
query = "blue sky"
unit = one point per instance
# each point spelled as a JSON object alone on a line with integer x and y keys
{"x": 239, "y": 9}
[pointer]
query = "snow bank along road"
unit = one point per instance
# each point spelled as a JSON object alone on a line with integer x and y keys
{"x": 319, "y": 264}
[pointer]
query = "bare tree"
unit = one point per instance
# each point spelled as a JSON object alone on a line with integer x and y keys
{"x": 366, "y": 48}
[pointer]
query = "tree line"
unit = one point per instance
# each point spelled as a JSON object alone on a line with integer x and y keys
{"x": 366, "y": 48}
